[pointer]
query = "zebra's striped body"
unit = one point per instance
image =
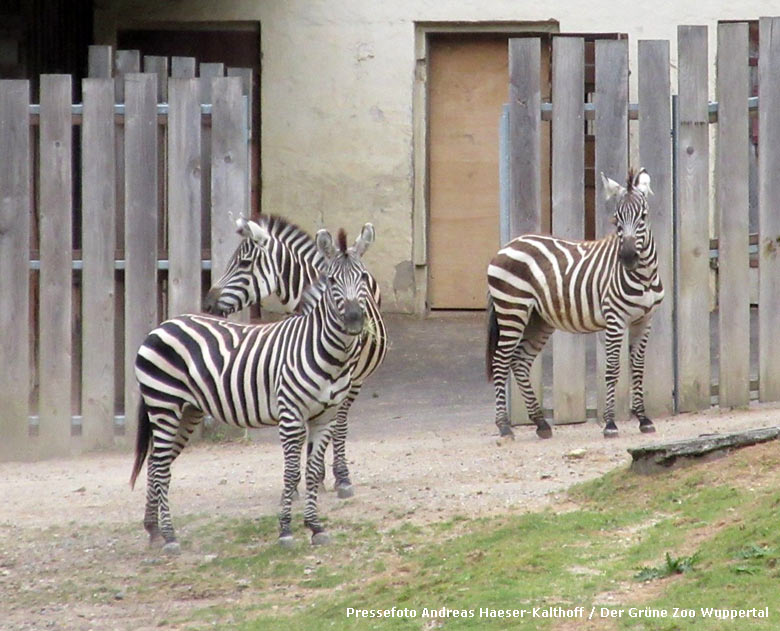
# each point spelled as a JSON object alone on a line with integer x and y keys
{"x": 294, "y": 373}
{"x": 540, "y": 283}
{"x": 282, "y": 271}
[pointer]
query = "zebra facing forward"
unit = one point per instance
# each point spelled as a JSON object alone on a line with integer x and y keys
{"x": 294, "y": 373}
{"x": 539, "y": 283}
{"x": 282, "y": 268}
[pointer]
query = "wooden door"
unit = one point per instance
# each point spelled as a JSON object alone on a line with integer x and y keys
{"x": 468, "y": 84}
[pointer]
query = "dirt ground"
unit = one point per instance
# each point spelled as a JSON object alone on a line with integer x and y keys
{"x": 422, "y": 448}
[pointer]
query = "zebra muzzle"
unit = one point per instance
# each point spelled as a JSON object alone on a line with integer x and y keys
{"x": 628, "y": 254}
{"x": 353, "y": 317}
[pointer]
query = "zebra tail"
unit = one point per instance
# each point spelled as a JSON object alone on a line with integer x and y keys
{"x": 492, "y": 338}
{"x": 141, "y": 440}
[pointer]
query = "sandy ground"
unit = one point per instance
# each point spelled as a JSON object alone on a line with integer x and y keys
{"x": 422, "y": 448}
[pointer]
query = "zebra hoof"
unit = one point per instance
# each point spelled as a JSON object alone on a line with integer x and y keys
{"x": 505, "y": 432}
{"x": 545, "y": 432}
{"x": 344, "y": 491}
{"x": 320, "y": 538}
{"x": 286, "y": 541}
{"x": 172, "y": 548}
{"x": 610, "y": 432}
{"x": 647, "y": 428}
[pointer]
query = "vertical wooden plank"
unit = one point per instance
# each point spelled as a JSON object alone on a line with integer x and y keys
{"x": 568, "y": 211}
{"x": 611, "y": 100}
{"x": 56, "y": 244}
{"x": 693, "y": 307}
{"x": 525, "y": 206}
{"x": 731, "y": 198}
{"x": 769, "y": 217}
{"x": 125, "y": 62}
{"x": 98, "y": 186}
{"x": 15, "y": 276}
{"x": 655, "y": 155}
{"x": 184, "y": 199}
{"x": 140, "y": 227}
{"x": 207, "y": 73}
{"x": 159, "y": 66}
{"x": 253, "y": 145}
{"x": 228, "y": 169}
{"x": 182, "y": 67}
{"x": 99, "y": 62}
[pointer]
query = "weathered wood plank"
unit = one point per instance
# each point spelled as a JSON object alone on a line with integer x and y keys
{"x": 56, "y": 243}
{"x": 98, "y": 194}
{"x": 525, "y": 204}
{"x": 207, "y": 73}
{"x": 769, "y": 218}
{"x": 732, "y": 199}
{"x": 228, "y": 169}
{"x": 99, "y": 62}
{"x": 140, "y": 227}
{"x": 182, "y": 67}
{"x": 184, "y": 198}
{"x": 158, "y": 65}
{"x": 693, "y": 203}
{"x": 15, "y": 277}
{"x": 654, "y": 458}
{"x": 655, "y": 155}
{"x": 611, "y": 101}
{"x": 568, "y": 211}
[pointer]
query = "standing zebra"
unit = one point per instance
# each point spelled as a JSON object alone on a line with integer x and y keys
{"x": 294, "y": 373}
{"x": 282, "y": 268}
{"x": 539, "y": 283}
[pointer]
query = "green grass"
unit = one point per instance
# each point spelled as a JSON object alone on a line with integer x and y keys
{"x": 706, "y": 536}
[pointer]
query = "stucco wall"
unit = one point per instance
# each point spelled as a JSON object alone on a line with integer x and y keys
{"x": 337, "y": 92}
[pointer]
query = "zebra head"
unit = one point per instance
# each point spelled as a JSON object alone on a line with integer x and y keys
{"x": 630, "y": 216}
{"x": 346, "y": 278}
{"x": 249, "y": 276}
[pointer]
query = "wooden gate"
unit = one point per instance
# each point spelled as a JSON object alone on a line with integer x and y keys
{"x": 102, "y": 235}
{"x": 704, "y": 256}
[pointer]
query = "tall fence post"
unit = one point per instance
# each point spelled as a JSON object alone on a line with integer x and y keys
{"x": 98, "y": 186}
{"x": 184, "y": 197}
{"x": 568, "y": 211}
{"x": 525, "y": 205}
{"x": 15, "y": 276}
{"x": 611, "y": 100}
{"x": 693, "y": 202}
{"x": 732, "y": 200}
{"x": 141, "y": 202}
{"x": 655, "y": 147}
{"x": 56, "y": 280}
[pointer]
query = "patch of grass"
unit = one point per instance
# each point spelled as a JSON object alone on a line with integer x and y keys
{"x": 672, "y": 566}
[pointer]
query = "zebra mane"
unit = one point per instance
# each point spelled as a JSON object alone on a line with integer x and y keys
{"x": 311, "y": 295}
{"x": 342, "y": 240}
{"x": 290, "y": 234}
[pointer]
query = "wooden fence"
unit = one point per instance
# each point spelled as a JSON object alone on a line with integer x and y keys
{"x": 673, "y": 136}
{"x": 111, "y": 212}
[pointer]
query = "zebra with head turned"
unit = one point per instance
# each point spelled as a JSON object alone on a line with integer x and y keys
{"x": 282, "y": 268}
{"x": 294, "y": 373}
{"x": 539, "y": 283}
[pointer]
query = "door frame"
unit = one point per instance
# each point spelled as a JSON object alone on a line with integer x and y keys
{"x": 423, "y": 32}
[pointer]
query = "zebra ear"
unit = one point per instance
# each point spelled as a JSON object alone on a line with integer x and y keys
{"x": 366, "y": 238}
{"x": 611, "y": 188}
{"x": 325, "y": 245}
{"x": 252, "y": 230}
{"x": 642, "y": 183}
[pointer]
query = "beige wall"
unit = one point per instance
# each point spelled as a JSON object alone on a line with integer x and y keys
{"x": 337, "y": 97}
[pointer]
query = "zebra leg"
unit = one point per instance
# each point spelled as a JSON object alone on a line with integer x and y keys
{"x": 613, "y": 341}
{"x": 637, "y": 343}
{"x": 340, "y": 470}
{"x": 320, "y": 432}
{"x": 166, "y": 446}
{"x": 501, "y": 360}
{"x": 293, "y": 435}
{"x": 535, "y": 336}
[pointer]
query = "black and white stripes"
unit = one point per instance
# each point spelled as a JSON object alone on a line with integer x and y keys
{"x": 286, "y": 263}
{"x": 294, "y": 373}
{"x": 540, "y": 283}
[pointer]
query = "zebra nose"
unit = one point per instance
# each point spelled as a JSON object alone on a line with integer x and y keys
{"x": 210, "y": 303}
{"x": 628, "y": 253}
{"x": 353, "y": 317}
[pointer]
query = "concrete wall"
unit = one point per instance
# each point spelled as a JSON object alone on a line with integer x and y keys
{"x": 337, "y": 97}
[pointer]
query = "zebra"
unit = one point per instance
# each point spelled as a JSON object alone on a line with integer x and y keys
{"x": 294, "y": 373}
{"x": 540, "y": 283}
{"x": 281, "y": 270}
